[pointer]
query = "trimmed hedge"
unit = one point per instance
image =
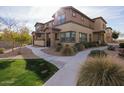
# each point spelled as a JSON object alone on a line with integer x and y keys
{"x": 121, "y": 52}
{"x": 98, "y": 53}
{"x": 121, "y": 45}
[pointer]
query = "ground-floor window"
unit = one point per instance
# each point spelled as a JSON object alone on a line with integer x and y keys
{"x": 82, "y": 37}
{"x": 68, "y": 36}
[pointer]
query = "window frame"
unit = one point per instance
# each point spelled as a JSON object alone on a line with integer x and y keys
{"x": 68, "y": 39}
{"x": 61, "y": 19}
{"x": 73, "y": 14}
{"x": 82, "y": 18}
{"x": 81, "y": 38}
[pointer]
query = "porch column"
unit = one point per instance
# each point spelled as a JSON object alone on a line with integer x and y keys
{"x": 77, "y": 37}
{"x": 52, "y": 37}
{"x": 45, "y": 39}
{"x": 102, "y": 36}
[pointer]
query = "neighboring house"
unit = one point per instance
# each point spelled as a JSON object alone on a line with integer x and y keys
{"x": 70, "y": 26}
{"x": 108, "y": 35}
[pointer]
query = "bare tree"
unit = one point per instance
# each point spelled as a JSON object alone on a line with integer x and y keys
{"x": 9, "y": 22}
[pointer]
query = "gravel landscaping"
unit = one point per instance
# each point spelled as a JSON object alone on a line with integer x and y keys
{"x": 26, "y": 53}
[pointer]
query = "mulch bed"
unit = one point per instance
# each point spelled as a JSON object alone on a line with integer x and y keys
{"x": 51, "y": 51}
{"x": 114, "y": 54}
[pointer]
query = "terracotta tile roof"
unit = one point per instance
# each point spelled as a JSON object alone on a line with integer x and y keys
{"x": 108, "y": 28}
{"x": 100, "y": 18}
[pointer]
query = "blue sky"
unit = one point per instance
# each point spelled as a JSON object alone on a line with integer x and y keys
{"x": 28, "y": 15}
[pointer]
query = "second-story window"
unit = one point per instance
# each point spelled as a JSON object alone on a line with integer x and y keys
{"x": 61, "y": 19}
{"x": 82, "y": 18}
{"x": 37, "y": 28}
{"x": 73, "y": 14}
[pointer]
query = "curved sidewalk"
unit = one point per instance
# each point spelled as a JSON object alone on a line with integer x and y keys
{"x": 70, "y": 66}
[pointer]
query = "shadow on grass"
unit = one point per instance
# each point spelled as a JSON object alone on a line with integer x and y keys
{"x": 5, "y": 63}
{"x": 25, "y": 72}
{"x": 41, "y": 67}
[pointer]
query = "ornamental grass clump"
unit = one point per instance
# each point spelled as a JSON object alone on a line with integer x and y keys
{"x": 2, "y": 50}
{"x": 67, "y": 50}
{"x": 58, "y": 47}
{"x": 101, "y": 71}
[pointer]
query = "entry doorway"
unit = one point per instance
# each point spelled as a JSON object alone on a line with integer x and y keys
{"x": 48, "y": 41}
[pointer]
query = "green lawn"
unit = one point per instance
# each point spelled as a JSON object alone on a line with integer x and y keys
{"x": 25, "y": 72}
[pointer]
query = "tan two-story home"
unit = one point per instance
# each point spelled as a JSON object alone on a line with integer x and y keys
{"x": 70, "y": 26}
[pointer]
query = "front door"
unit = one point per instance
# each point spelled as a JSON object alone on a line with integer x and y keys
{"x": 48, "y": 43}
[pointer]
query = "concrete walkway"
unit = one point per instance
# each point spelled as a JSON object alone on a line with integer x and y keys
{"x": 70, "y": 66}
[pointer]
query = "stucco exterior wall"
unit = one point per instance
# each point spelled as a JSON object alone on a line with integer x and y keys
{"x": 69, "y": 17}
{"x": 77, "y": 28}
{"x": 78, "y": 23}
{"x": 39, "y": 43}
{"x": 81, "y": 19}
{"x": 108, "y": 36}
{"x": 99, "y": 24}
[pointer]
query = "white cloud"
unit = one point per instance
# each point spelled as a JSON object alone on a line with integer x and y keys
{"x": 31, "y": 15}
{"x": 42, "y": 14}
{"x": 107, "y": 12}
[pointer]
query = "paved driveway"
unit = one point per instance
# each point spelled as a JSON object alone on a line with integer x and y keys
{"x": 69, "y": 66}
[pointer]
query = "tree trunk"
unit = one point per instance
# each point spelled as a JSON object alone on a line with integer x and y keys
{"x": 13, "y": 47}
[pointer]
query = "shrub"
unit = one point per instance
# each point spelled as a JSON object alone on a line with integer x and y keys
{"x": 68, "y": 50}
{"x": 87, "y": 44}
{"x": 99, "y": 53}
{"x": 101, "y": 72}
{"x": 121, "y": 52}
{"x": 24, "y": 44}
{"x": 2, "y": 50}
{"x": 121, "y": 45}
{"x": 79, "y": 46}
{"x": 103, "y": 44}
{"x": 94, "y": 44}
{"x": 110, "y": 47}
{"x": 59, "y": 47}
